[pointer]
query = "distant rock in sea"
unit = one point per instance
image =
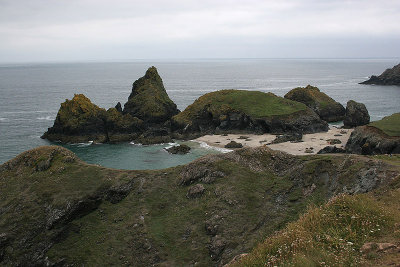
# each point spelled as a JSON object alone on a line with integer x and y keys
{"x": 356, "y": 114}
{"x": 328, "y": 109}
{"x": 388, "y": 77}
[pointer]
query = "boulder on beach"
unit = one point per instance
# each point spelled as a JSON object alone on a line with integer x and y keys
{"x": 233, "y": 144}
{"x": 388, "y": 77}
{"x": 356, "y": 114}
{"x": 328, "y": 109}
{"x": 247, "y": 111}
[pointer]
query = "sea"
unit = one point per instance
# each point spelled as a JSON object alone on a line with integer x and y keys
{"x": 31, "y": 94}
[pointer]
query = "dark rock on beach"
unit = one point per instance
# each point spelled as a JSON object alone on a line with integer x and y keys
{"x": 293, "y": 137}
{"x": 356, "y": 114}
{"x": 388, "y": 77}
{"x": 331, "y": 149}
{"x": 233, "y": 144}
{"x": 328, "y": 109}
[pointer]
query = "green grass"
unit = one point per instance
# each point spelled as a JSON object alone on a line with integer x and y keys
{"x": 390, "y": 125}
{"x": 253, "y": 103}
{"x": 311, "y": 95}
{"x": 330, "y": 235}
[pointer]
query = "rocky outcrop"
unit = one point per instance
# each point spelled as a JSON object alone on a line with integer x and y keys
{"x": 233, "y": 144}
{"x": 180, "y": 149}
{"x": 328, "y": 109}
{"x": 388, "y": 77}
{"x": 79, "y": 120}
{"x": 144, "y": 119}
{"x": 246, "y": 111}
{"x": 356, "y": 114}
{"x": 331, "y": 149}
{"x": 149, "y": 100}
{"x": 369, "y": 140}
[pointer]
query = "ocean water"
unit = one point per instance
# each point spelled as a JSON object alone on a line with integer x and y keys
{"x": 30, "y": 95}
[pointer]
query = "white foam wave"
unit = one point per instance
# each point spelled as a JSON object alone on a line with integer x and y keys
{"x": 133, "y": 143}
{"x": 4, "y": 119}
{"x": 206, "y": 146}
{"x": 85, "y": 144}
{"x": 171, "y": 145}
{"x": 47, "y": 118}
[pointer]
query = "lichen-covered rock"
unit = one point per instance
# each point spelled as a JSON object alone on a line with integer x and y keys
{"x": 388, "y": 77}
{"x": 195, "y": 191}
{"x": 247, "y": 111}
{"x": 356, "y": 114}
{"x": 328, "y": 109}
{"x": 180, "y": 149}
{"x": 149, "y": 100}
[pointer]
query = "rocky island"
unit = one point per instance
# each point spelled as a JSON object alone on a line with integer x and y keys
{"x": 150, "y": 116}
{"x": 388, "y": 77}
{"x": 328, "y": 109}
{"x": 59, "y": 211}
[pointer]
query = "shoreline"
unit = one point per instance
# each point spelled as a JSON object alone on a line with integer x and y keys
{"x": 310, "y": 142}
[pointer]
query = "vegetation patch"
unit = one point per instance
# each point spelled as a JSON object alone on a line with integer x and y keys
{"x": 390, "y": 125}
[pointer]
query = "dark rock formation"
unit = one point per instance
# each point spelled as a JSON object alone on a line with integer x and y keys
{"x": 79, "y": 120}
{"x": 246, "y": 111}
{"x": 328, "y": 109}
{"x": 356, "y": 114}
{"x": 331, "y": 149}
{"x": 118, "y": 107}
{"x": 149, "y": 100}
{"x": 388, "y": 77}
{"x": 233, "y": 144}
{"x": 369, "y": 140}
{"x": 293, "y": 137}
{"x": 334, "y": 141}
{"x": 180, "y": 149}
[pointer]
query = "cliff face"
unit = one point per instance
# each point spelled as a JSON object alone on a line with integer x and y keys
{"x": 388, "y": 77}
{"x": 328, "y": 109}
{"x": 378, "y": 137}
{"x": 149, "y": 100}
{"x": 247, "y": 111}
{"x": 59, "y": 210}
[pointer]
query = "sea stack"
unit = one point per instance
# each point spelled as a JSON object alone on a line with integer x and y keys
{"x": 149, "y": 100}
{"x": 388, "y": 77}
{"x": 356, "y": 114}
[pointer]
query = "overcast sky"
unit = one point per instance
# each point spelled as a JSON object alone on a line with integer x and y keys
{"x": 79, "y": 30}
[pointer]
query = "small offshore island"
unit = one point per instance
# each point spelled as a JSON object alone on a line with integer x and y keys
{"x": 254, "y": 206}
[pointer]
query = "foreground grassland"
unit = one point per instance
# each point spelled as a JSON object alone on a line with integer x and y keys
{"x": 58, "y": 209}
{"x": 390, "y": 125}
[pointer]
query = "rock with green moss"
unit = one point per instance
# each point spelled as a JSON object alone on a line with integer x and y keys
{"x": 149, "y": 100}
{"x": 247, "y": 111}
{"x": 79, "y": 120}
{"x": 328, "y": 109}
{"x": 378, "y": 137}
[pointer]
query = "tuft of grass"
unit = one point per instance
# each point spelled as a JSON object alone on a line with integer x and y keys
{"x": 390, "y": 125}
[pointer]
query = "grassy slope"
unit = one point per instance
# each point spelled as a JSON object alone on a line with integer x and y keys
{"x": 332, "y": 234}
{"x": 156, "y": 222}
{"x": 254, "y": 103}
{"x": 390, "y": 125}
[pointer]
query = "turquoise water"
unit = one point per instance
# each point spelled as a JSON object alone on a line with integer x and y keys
{"x": 30, "y": 95}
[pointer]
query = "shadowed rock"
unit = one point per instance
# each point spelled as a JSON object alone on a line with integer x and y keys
{"x": 356, "y": 114}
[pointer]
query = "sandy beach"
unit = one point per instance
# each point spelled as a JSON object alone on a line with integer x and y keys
{"x": 311, "y": 143}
